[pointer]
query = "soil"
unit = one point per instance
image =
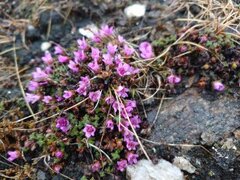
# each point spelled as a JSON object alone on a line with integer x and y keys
{"x": 155, "y": 24}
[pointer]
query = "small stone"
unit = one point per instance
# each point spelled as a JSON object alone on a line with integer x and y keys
{"x": 88, "y": 30}
{"x": 228, "y": 144}
{"x": 184, "y": 164}
{"x": 41, "y": 175}
{"x": 237, "y": 133}
{"x": 146, "y": 170}
{"x": 135, "y": 10}
{"x": 45, "y": 46}
{"x": 208, "y": 138}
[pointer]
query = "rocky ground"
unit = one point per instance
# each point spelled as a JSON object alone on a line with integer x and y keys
{"x": 197, "y": 132}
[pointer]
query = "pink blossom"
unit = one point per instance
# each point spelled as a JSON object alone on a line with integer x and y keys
{"x": 122, "y": 91}
{"x": 96, "y": 38}
{"x": 131, "y": 145}
{"x": 39, "y": 75}
{"x": 59, "y": 98}
{"x": 124, "y": 124}
{"x": 79, "y": 56}
{"x": 117, "y": 106}
{"x": 128, "y": 136}
{"x": 48, "y": 69}
{"x": 57, "y": 168}
{"x": 96, "y": 166}
{"x": 123, "y": 69}
{"x": 118, "y": 59}
{"x": 95, "y": 96}
{"x": 120, "y": 39}
{"x": 126, "y": 114}
{"x": 130, "y": 105}
{"x": 85, "y": 80}
{"x": 132, "y": 158}
{"x": 33, "y": 86}
{"x": 63, "y": 124}
{"x": 82, "y": 44}
{"x": 111, "y": 49}
{"x": 47, "y": 58}
{"x": 121, "y": 165}
{"x": 203, "y": 39}
{"x": 218, "y": 86}
{"x": 127, "y": 50}
{"x": 82, "y": 90}
{"x": 135, "y": 120}
{"x": 173, "y": 79}
{"x": 47, "y": 99}
{"x": 94, "y": 66}
{"x": 63, "y": 59}
{"x": 58, "y": 50}
{"x": 110, "y": 124}
{"x": 59, "y": 154}
{"x": 183, "y": 48}
{"x": 95, "y": 54}
{"x": 107, "y": 59}
{"x": 146, "y": 50}
{"x": 89, "y": 130}
{"x": 73, "y": 66}
{"x": 109, "y": 100}
{"x": 106, "y": 31}
{"x": 13, "y": 155}
{"x": 32, "y": 98}
{"x": 67, "y": 94}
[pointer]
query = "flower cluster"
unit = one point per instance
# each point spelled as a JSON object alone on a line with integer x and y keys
{"x": 93, "y": 81}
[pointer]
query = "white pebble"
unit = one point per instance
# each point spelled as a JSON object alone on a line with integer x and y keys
{"x": 88, "y": 30}
{"x": 45, "y": 46}
{"x": 135, "y": 10}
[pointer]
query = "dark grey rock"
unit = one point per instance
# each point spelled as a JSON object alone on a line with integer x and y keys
{"x": 41, "y": 175}
{"x": 185, "y": 118}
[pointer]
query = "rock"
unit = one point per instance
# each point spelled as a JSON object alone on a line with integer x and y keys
{"x": 229, "y": 144}
{"x": 45, "y": 46}
{"x": 146, "y": 170}
{"x": 88, "y": 30}
{"x": 41, "y": 175}
{"x": 184, "y": 164}
{"x": 32, "y": 33}
{"x": 208, "y": 138}
{"x": 135, "y": 10}
{"x": 187, "y": 116}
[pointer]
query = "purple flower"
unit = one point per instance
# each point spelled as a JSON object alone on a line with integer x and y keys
{"x": 183, "y": 48}
{"x": 95, "y": 54}
{"x": 131, "y": 145}
{"x": 96, "y": 38}
{"x": 106, "y": 31}
{"x": 67, "y": 94}
{"x": 63, "y": 124}
{"x": 117, "y": 106}
{"x": 109, "y": 100}
{"x": 32, "y": 98}
{"x": 82, "y": 90}
{"x": 127, "y": 50}
{"x": 96, "y": 166}
{"x": 58, "y": 50}
{"x": 33, "y": 86}
{"x": 135, "y": 120}
{"x": 79, "y": 56}
{"x": 203, "y": 39}
{"x": 85, "y": 80}
{"x": 63, "y": 59}
{"x": 47, "y": 58}
{"x": 47, "y": 99}
{"x": 95, "y": 96}
{"x": 94, "y": 66}
{"x": 132, "y": 158}
{"x": 89, "y": 130}
{"x": 130, "y": 105}
{"x": 57, "y": 168}
{"x": 59, "y": 154}
{"x": 123, "y": 69}
{"x": 73, "y": 66}
{"x": 120, "y": 39}
{"x": 121, "y": 165}
{"x": 111, "y": 49}
{"x": 118, "y": 59}
{"x": 173, "y": 79}
{"x": 218, "y": 86}
{"x": 110, "y": 124}
{"x": 128, "y": 136}
{"x": 13, "y": 155}
{"x": 146, "y": 50}
{"x": 39, "y": 75}
{"x": 107, "y": 59}
{"x": 122, "y": 91}
{"x": 82, "y": 44}
{"x": 48, "y": 70}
